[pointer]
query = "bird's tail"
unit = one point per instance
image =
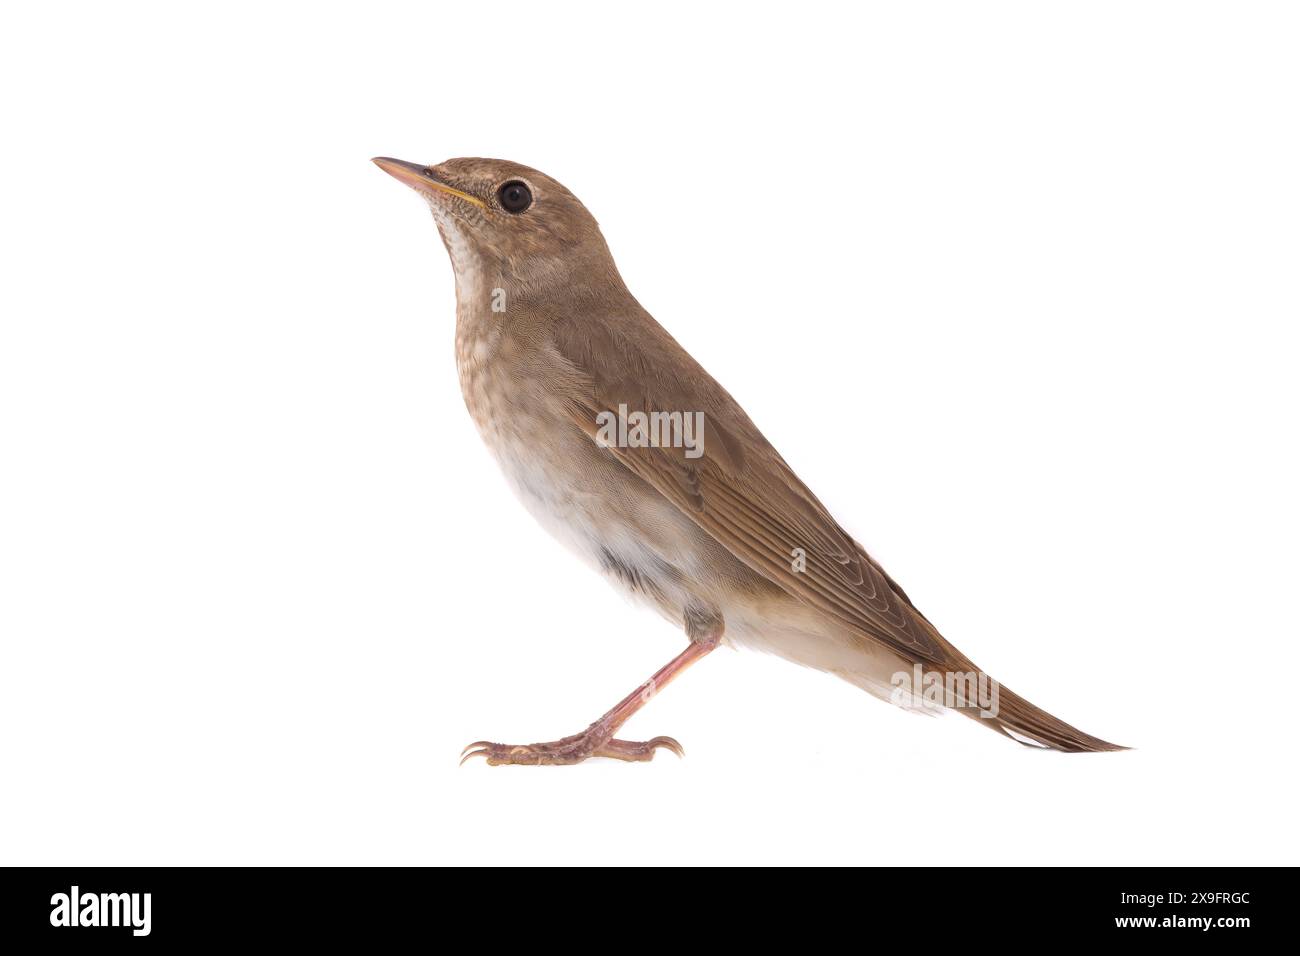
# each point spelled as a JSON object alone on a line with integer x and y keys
{"x": 1020, "y": 720}
{"x": 1008, "y": 713}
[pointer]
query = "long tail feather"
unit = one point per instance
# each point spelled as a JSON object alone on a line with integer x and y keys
{"x": 1022, "y": 721}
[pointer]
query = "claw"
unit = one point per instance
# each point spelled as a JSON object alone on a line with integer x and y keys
{"x": 668, "y": 743}
{"x": 568, "y": 750}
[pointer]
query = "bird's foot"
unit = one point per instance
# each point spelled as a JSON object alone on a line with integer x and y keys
{"x": 592, "y": 742}
{"x": 598, "y": 739}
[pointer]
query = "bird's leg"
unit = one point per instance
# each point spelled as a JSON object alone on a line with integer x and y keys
{"x": 598, "y": 739}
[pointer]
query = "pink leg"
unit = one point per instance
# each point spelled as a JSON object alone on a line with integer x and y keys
{"x": 598, "y": 739}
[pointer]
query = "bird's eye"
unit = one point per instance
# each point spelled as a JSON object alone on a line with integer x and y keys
{"x": 514, "y": 197}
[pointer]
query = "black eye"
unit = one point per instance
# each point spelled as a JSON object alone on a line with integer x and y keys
{"x": 514, "y": 197}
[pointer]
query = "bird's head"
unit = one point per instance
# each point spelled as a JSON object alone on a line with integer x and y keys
{"x": 501, "y": 217}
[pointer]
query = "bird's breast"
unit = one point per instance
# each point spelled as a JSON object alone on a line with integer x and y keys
{"x": 575, "y": 489}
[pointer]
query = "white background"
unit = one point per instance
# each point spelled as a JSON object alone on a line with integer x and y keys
{"x": 1012, "y": 286}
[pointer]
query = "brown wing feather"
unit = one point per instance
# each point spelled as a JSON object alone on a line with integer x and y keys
{"x": 739, "y": 490}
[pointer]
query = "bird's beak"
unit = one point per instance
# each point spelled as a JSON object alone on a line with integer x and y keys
{"x": 418, "y": 178}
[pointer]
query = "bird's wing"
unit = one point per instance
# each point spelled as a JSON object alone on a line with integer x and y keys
{"x": 739, "y": 489}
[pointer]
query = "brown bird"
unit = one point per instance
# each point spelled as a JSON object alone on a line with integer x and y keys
{"x": 627, "y": 450}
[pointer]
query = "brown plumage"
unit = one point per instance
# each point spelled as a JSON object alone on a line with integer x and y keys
{"x": 719, "y": 534}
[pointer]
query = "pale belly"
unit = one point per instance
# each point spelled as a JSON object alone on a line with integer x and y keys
{"x": 642, "y": 543}
{"x": 605, "y": 514}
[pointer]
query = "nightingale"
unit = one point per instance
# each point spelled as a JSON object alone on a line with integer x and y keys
{"x": 630, "y": 453}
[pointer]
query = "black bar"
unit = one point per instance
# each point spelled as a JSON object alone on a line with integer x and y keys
{"x": 948, "y": 907}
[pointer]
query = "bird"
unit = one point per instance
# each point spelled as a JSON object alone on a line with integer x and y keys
{"x": 626, "y": 450}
